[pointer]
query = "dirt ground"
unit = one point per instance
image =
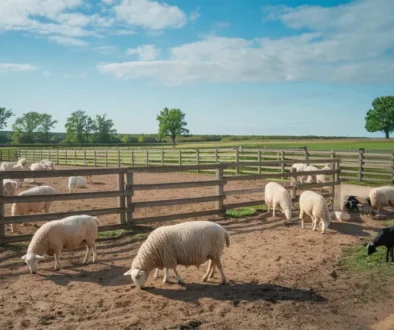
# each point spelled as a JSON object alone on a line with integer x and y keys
{"x": 282, "y": 277}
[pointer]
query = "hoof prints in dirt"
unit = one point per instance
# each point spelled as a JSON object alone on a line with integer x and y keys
{"x": 189, "y": 325}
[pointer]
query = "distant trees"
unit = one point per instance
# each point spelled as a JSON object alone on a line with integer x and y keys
{"x": 47, "y": 123}
{"x": 78, "y": 127}
{"x": 381, "y": 117}
{"x": 29, "y": 125}
{"x": 104, "y": 129}
{"x": 4, "y": 116}
{"x": 171, "y": 123}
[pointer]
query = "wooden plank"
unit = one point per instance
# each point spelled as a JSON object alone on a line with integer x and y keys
{"x": 277, "y": 175}
{"x": 177, "y": 216}
{"x": 121, "y": 199}
{"x": 243, "y": 204}
{"x": 317, "y": 185}
{"x": 180, "y": 201}
{"x": 60, "y": 215}
{"x": 2, "y": 225}
{"x": 244, "y": 191}
{"x": 61, "y": 197}
{"x": 175, "y": 185}
{"x": 175, "y": 168}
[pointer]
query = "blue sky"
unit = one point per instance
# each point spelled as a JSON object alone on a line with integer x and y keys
{"x": 233, "y": 66}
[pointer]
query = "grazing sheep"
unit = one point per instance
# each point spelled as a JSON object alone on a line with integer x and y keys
{"x": 385, "y": 237}
{"x": 380, "y": 197}
{"x": 35, "y": 207}
{"x": 321, "y": 178}
{"x": 165, "y": 277}
{"x": 47, "y": 164}
{"x": 75, "y": 182}
{"x": 9, "y": 187}
{"x": 300, "y": 167}
{"x": 68, "y": 233}
{"x": 315, "y": 206}
{"x": 187, "y": 244}
{"x": 275, "y": 194}
{"x": 38, "y": 167}
{"x": 9, "y": 166}
{"x": 352, "y": 204}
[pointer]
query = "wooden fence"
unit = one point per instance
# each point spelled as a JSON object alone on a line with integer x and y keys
{"x": 357, "y": 166}
{"x": 126, "y": 188}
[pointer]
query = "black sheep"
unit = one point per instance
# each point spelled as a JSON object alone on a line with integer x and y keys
{"x": 352, "y": 203}
{"x": 385, "y": 237}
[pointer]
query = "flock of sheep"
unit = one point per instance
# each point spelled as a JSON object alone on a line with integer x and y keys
{"x": 195, "y": 242}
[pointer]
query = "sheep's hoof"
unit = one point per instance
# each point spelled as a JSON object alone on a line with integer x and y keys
{"x": 224, "y": 282}
{"x": 180, "y": 282}
{"x": 204, "y": 279}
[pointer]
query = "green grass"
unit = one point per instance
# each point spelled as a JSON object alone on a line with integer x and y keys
{"x": 112, "y": 233}
{"x": 245, "y": 211}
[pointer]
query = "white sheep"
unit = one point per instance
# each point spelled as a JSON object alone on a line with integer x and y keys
{"x": 311, "y": 178}
{"x": 23, "y": 208}
{"x": 275, "y": 194}
{"x": 8, "y": 166}
{"x": 38, "y": 167}
{"x": 187, "y": 244}
{"x": 381, "y": 197}
{"x": 9, "y": 187}
{"x": 299, "y": 167}
{"x": 68, "y": 233}
{"x": 47, "y": 164}
{"x": 165, "y": 277}
{"x": 75, "y": 182}
{"x": 315, "y": 206}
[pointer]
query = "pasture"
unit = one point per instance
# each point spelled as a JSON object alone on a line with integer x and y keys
{"x": 281, "y": 276}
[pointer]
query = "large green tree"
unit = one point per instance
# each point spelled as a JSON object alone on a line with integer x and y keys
{"x": 4, "y": 116}
{"x": 381, "y": 117}
{"x": 172, "y": 123}
{"x": 47, "y": 123}
{"x": 25, "y": 126}
{"x": 104, "y": 129}
{"x": 78, "y": 127}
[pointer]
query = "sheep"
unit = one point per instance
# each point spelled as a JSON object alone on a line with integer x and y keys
{"x": 8, "y": 166}
{"x": 9, "y": 187}
{"x": 75, "y": 182}
{"x": 165, "y": 277}
{"x": 385, "y": 237}
{"x": 38, "y": 167}
{"x": 380, "y": 197}
{"x": 187, "y": 244}
{"x": 315, "y": 206}
{"x": 275, "y": 194}
{"x": 47, "y": 164}
{"x": 299, "y": 167}
{"x": 321, "y": 178}
{"x": 352, "y": 204}
{"x": 68, "y": 233}
{"x": 36, "y": 207}
{"x": 89, "y": 179}
{"x": 311, "y": 178}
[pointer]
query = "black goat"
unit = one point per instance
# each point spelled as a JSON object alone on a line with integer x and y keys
{"x": 385, "y": 237}
{"x": 352, "y": 204}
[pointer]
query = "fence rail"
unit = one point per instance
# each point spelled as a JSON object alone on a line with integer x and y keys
{"x": 126, "y": 189}
{"x": 357, "y": 166}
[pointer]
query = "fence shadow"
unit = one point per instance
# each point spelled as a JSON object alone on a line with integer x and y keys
{"x": 239, "y": 292}
{"x": 352, "y": 229}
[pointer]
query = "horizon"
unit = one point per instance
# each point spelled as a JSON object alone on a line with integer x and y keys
{"x": 235, "y": 68}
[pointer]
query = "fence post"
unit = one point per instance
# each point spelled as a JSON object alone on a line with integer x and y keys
{"x": 106, "y": 158}
{"x": 34, "y": 158}
{"x": 2, "y": 225}
{"x": 216, "y": 156}
{"x": 118, "y": 157}
{"x": 121, "y": 199}
{"x": 237, "y": 161}
{"x": 259, "y": 160}
{"x": 180, "y": 157}
{"x": 198, "y": 159}
{"x": 392, "y": 168}
{"x": 220, "y": 190}
{"x": 293, "y": 194}
{"x": 40, "y": 154}
{"x": 361, "y": 163}
{"x": 84, "y": 158}
{"x": 147, "y": 157}
{"x": 57, "y": 156}
{"x": 129, "y": 201}
{"x": 282, "y": 158}
{"x": 9, "y": 156}
{"x": 162, "y": 157}
{"x": 306, "y": 156}
{"x": 66, "y": 156}
{"x": 132, "y": 158}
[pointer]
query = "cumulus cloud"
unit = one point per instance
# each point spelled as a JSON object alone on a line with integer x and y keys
{"x": 350, "y": 43}
{"x": 145, "y": 52}
{"x": 67, "y": 41}
{"x": 6, "y": 67}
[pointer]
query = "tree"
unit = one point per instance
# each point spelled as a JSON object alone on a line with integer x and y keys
{"x": 103, "y": 128}
{"x": 141, "y": 139}
{"x": 4, "y": 115}
{"x": 78, "y": 127}
{"x": 171, "y": 123}
{"x": 47, "y": 124}
{"x": 29, "y": 123}
{"x": 381, "y": 117}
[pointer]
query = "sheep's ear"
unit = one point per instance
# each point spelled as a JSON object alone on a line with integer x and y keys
{"x": 128, "y": 272}
{"x": 24, "y": 257}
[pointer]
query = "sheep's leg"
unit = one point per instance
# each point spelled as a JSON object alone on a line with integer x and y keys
{"x": 323, "y": 226}
{"x": 57, "y": 261}
{"x": 86, "y": 255}
{"x": 302, "y": 215}
{"x": 314, "y": 222}
{"x": 387, "y": 255}
{"x": 209, "y": 270}
{"x": 392, "y": 254}
{"x": 156, "y": 273}
{"x": 273, "y": 209}
{"x": 12, "y": 228}
{"x": 179, "y": 279}
{"x": 219, "y": 264}
{"x": 212, "y": 271}
{"x": 165, "y": 278}
{"x": 268, "y": 206}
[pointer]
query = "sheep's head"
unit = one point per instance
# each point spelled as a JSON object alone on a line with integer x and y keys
{"x": 138, "y": 276}
{"x": 371, "y": 248}
{"x": 32, "y": 260}
{"x": 287, "y": 212}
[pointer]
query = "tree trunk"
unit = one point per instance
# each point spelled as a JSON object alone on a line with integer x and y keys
{"x": 173, "y": 141}
{"x": 387, "y": 133}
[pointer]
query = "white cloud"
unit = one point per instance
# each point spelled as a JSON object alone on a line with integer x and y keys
{"x": 150, "y": 14}
{"x": 145, "y": 52}
{"x": 46, "y": 73}
{"x": 67, "y": 41}
{"x": 349, "y": 43}
{"x": 109, "y": 2}
{"x": 6, "y": 67}
{"x": 74, "y": 75}
{"x": 123, "y": 32}
{"x": 194, "y": 15}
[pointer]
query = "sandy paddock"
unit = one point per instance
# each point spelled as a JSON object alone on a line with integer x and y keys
{"x": 282, "y": 277}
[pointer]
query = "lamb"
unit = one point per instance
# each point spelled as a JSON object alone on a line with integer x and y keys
{"x": 36, "y": 207}
{"x": 275, "y": 194}
{"x": 48, "y": 164}
{"x": 385, "y": 237}
{"x": 9, "y": 166}
{"x": 380, "y": 197}
{"x": 315, "y": 206}
{"x": 187, "y": 244}
{"x": 9, "y": 187}
{"x": 75, "y": 182}
{"x": 68, "y": 233}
